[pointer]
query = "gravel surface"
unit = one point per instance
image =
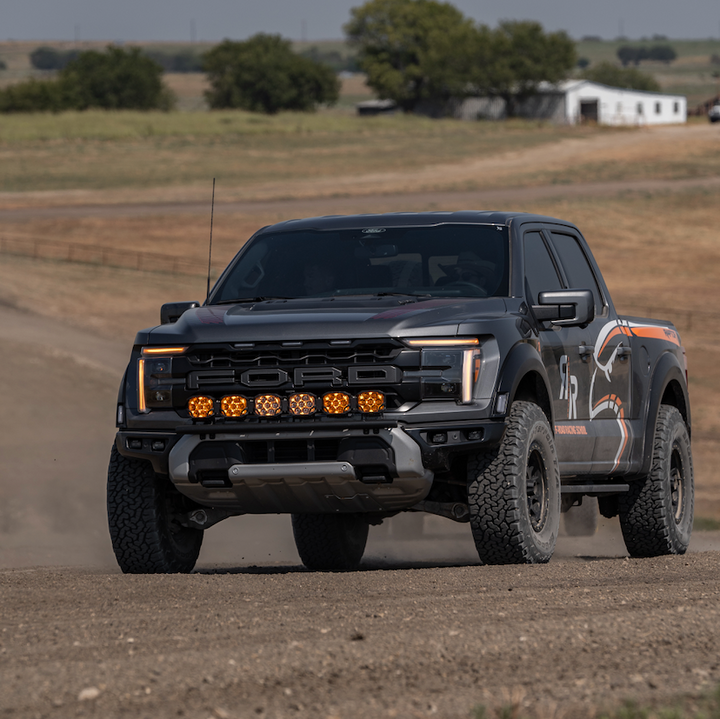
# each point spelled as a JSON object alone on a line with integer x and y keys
{"x": 402, "y": 640}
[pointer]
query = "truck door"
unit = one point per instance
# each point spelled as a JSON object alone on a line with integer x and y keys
{"x": 605, "y": 392}
{"x": 566, "y": 364}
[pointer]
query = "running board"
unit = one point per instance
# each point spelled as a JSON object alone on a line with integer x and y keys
{"x": 594, "y": 489}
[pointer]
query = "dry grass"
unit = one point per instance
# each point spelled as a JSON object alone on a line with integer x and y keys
{"x": 72, "y": 151}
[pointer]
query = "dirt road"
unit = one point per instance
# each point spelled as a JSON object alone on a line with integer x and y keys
{"x": 422, "y": 630}
{"x": 394, "y": 640}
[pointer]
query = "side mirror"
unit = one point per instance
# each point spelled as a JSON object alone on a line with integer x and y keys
{"x": 566, "y": 308}
{"x": 172, "y": 311}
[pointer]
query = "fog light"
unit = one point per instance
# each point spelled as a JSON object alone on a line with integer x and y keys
{"x": 267, "y": 405}
{"x": 302, "y": 404}
{"x": 371, "y": 401}
{"x": 158, "y": 445}
{"x": 200, "y": 407}
{"x": 439, "y": 438}
{"x": 234, "y": 406}
{"x": 336, "y": 403}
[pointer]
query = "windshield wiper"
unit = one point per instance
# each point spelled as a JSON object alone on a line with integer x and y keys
{"x": 249, "y": 299}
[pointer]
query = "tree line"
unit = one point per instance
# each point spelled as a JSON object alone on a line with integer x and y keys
{"x": 414, "y": 52}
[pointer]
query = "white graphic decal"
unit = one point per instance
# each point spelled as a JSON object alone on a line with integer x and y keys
{"x": 568, "y": 387}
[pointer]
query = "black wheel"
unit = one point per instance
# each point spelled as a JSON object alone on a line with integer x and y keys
{"x": 330, "y": 542}
{"x": 656, "y": 515}
{"x": 142, "y": 508}
{"x": 582, "y": 520}
{"x": 514, "y": 492}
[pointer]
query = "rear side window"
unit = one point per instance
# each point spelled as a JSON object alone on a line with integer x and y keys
{"x": 540, "y": 272}
{"x": 576, "y": 266}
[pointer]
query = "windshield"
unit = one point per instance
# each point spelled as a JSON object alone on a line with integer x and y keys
{"x": 450, "y": 260}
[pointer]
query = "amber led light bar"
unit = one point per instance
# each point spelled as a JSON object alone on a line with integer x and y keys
{"x": 447, "y": 342}
{"x": 155, "y": 351}
{"x": 301, "y": 404}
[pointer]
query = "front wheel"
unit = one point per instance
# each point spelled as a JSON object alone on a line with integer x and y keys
{"x": 330, "y": 542}
{"x": 656, "y": 515}
{"x": 514, "y": 492}
{"x": 142, "y": 516}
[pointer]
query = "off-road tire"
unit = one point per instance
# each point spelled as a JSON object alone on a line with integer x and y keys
{"x": 656, "y": 515}
{"x": 330, "y": 542}
{"x": 141, "y": 507}
{"x": 582, "y": 520}
{"x": 514, "y": 492}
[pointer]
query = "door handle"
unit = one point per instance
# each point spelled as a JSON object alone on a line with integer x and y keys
{"x": 585, "y": 351}
{"x": 624, "y": 352}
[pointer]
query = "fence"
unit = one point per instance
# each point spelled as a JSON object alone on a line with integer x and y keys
{"x": 40, "y": 248}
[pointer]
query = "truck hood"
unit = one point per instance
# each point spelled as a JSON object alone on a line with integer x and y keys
{"x": 288, "y": 320}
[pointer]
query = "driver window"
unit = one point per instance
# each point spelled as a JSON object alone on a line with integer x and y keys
{"x": 540, "y": 272}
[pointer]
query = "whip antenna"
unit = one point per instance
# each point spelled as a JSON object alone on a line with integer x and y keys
{"x": 212, "y": 212}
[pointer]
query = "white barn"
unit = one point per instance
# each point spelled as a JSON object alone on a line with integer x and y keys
{"x": 586, "y": 100}
{"x": 577, "y": 101}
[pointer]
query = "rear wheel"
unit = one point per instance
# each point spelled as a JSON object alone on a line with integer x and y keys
{"x": 142, "y": 515}
{"x": 330, "y": 542}
{"x": 514, "y": 492}
{"x": 656, "y": 515}
{"x": 582, "y": 520}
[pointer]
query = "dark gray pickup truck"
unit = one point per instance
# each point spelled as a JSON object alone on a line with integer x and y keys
{"x": 346, "y": 369}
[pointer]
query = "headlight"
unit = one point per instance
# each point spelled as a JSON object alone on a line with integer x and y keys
{"x": 154, "y": 373}
{"x": 449, "y": 368}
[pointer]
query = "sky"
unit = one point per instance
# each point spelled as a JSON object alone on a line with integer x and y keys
{"x": 214, "y": 20}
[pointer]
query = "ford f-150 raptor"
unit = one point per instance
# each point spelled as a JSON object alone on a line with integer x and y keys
{"x": 346, "y": 369}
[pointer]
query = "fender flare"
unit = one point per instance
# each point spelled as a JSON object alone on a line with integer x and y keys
{"x": 667, "y": 369}
{"x": 522, "y": 360}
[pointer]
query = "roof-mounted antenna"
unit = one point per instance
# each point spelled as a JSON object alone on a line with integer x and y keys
{"x": 212, "y": 213}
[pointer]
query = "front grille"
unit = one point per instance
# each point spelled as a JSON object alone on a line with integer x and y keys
{"x": 311, "y": 354}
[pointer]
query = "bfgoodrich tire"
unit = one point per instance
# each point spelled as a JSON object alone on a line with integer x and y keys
{"x": 656, "y": 515}
{"x": 514, "y": 492}
{"x": 142, "y": 509}
{"x": 330, "y": 542}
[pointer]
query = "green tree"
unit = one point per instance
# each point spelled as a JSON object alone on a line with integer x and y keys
{"x": 629, "y": 78}
{"x": 414, "y": 50}
{"x": 48, "y": 58}
{"x": 263, "y": 74}
{"x": 33, "y": 96}
{"x": 115, "y": 79}
{"x": 524, "y": 56}
{"x": 662, "y": 53}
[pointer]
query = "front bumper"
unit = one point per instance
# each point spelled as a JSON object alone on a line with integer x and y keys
{"x": 304, "y": 487}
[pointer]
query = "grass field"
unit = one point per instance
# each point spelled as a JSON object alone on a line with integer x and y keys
{"x": 96, "y": 150}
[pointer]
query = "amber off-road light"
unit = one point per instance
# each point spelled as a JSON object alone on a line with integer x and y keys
{"x": 267, "y": 405}
{"x": 201, "y": 407}
{"x": 371, "y": 401}
{"x": 142, "y": 407}
{"x": 303, "y": 404}
{"x": 155, "y": 351}
{"x": 336, "y": 403}
{"x": 234, "y": 406}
